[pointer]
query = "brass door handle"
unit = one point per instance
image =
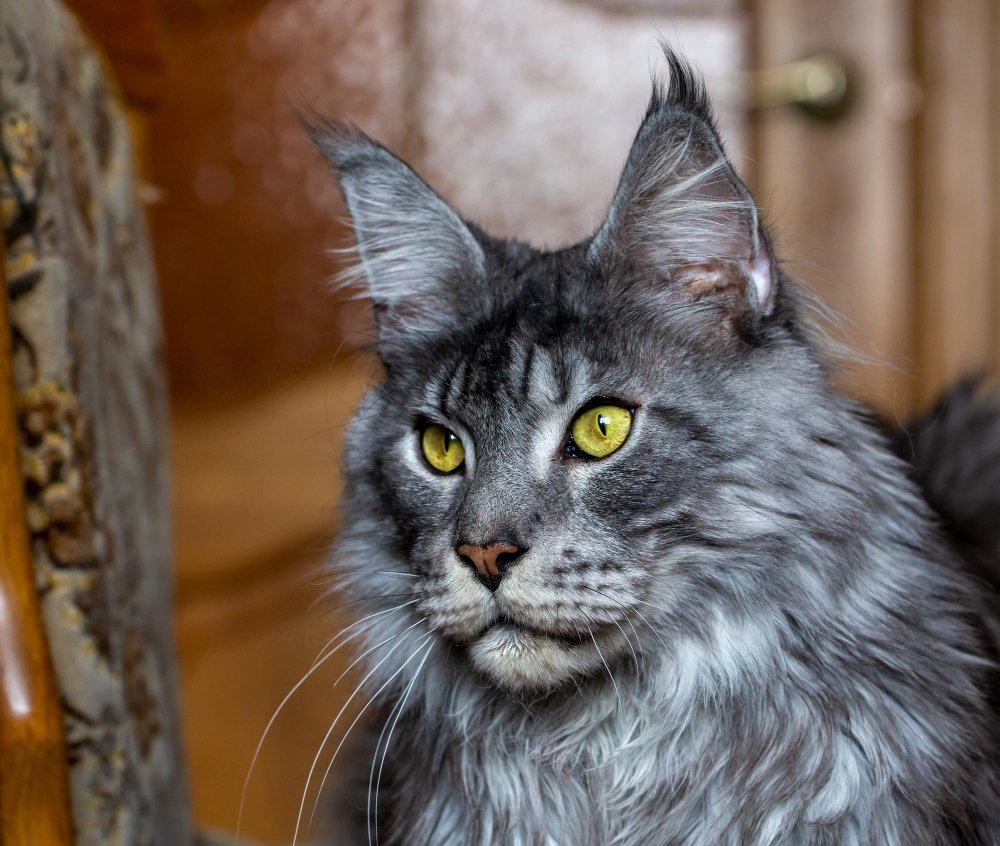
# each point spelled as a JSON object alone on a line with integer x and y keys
{"x": 821, "y": 86}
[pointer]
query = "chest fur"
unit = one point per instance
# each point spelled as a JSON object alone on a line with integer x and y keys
{"x": 632, "y": 778}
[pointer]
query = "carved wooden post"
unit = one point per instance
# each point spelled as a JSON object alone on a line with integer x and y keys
{"x": 84, "y": 350}
{"x": 34, "y": 797}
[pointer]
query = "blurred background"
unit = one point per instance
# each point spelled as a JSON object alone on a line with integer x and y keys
{"x": 866, "y": 128}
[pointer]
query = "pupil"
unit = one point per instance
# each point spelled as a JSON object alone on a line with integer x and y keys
{"x": 447, "y": 439}
{"x": 602, "y": 424}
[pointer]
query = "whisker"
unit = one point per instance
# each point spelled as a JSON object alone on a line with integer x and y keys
{"x": 371, "y": 649}
{"x": 649, "y": 625}
{"x": 366, "y": 599}
{"x": 327, "y": 578}
{"x": 363, "y": 619}
{"x": 641, "y": 616}
{"x": 624, "y": 608}
{"x": 635, "y": 658}
{"x": 326, "y": 737}
{"x": 371, "y": 772}
{"x": 328, "y": 611}
{"x": 388, "y": 740}
{"x": 654, "y": 605}
{"x": 606, "y": 667}
{"x": 350, "y": 728}
{"x": 320, "y": 660}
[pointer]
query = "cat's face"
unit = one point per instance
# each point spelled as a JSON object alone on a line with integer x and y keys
{"x": 585, "y": 530}
{"x": 614, "y": 550}
{"x": 555, "y": 429}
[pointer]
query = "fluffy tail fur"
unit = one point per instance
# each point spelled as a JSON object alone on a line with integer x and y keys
{"x": 954, "y": 450}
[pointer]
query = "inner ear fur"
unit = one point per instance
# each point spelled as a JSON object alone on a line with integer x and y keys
{"x": 680, "y": 212}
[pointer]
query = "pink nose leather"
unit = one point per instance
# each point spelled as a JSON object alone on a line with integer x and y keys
{"x": 484, "y": 558}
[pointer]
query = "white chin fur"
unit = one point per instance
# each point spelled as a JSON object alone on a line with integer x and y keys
{"x": 520, "y": 660}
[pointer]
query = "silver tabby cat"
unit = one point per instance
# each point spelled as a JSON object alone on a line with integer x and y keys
{"x": 633, "y": 573}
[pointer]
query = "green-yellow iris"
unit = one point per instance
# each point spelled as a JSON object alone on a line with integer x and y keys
{"x": 442, "y": 449}
{"x": 599, "y": 431}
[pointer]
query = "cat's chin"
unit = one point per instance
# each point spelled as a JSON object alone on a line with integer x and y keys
{"x": 519, "y": 659}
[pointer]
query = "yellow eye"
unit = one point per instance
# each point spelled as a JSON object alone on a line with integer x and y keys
{"x": 442, "y": 449}
{"x": 599, "y": 431}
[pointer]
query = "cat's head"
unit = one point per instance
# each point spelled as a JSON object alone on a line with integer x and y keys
{"x": 562, "y": 452}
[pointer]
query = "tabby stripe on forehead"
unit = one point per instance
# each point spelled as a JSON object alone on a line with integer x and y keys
{"x": 563, "y": 377}
{"x": 529, "y": 361}
{"x": 445, "y": 387}
{"x": 506, "y": 366}
{"x": 451, "y": 393}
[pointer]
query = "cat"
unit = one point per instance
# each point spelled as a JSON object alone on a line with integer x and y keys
{"x": 633, "y": 572}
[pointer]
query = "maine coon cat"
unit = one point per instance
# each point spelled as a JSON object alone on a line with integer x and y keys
{"x": 632, "y": 572}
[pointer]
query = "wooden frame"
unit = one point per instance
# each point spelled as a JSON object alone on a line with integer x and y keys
{"x": 34, "y": 781}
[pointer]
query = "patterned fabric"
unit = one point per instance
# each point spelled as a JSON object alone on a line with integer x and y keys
{"x": 92, "y": 416}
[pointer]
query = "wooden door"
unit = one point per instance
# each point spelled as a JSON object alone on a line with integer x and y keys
{"x": 890, "y": 212}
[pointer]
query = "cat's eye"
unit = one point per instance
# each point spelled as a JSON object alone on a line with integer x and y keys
{"x": 442, "y": 448}
{"x": 600, "y": 430}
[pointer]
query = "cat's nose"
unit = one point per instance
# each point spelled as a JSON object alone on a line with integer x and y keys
{"x": 490, "y": 562}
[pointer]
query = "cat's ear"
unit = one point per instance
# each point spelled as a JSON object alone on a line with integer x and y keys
{"x": 416, "y": 254}
{"x": 680, "y": 215}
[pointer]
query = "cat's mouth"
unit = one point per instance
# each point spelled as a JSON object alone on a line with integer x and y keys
{"x": 565, "y": 638}
{"x": 520, "y": 656}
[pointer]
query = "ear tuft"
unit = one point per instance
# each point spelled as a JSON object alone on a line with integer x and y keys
{"x": 685, "y": 89}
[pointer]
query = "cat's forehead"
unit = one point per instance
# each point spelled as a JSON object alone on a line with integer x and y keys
{"x": 510, "y": 371}
{"x": 542, "y": 336}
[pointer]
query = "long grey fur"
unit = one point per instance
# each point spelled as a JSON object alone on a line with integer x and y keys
{"x": 745, "y": 627}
